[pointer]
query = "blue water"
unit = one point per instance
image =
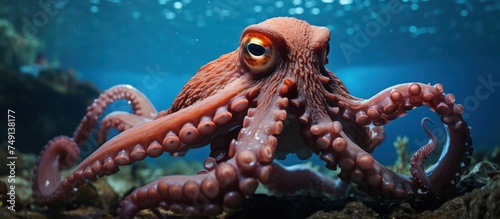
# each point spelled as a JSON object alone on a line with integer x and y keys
{"x": 375, "y": 44}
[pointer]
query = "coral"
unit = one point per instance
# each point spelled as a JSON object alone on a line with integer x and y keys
{"x": 401, "y": 165}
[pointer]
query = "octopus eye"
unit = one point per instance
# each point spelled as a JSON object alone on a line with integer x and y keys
{"x": 256, "y": 49}
{"x": 258, "y": 52}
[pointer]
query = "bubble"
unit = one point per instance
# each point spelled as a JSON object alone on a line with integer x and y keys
{"x": 327, "y": 1}
{"x": 224, "y": 13}
{"x": 169, "y": 15}
{"x": 315, "y": 11}
{"x": 177, "y": 5}
{"x": 94, "y": 9}
{"x": 345, "y": 2}
{"x": 299, "y": 10}
{"x": 136, "y": 14}
{"x": 162, "y": 2}
{"x": 464, "y": 13}
{"x": 310, "y": 4}
{"x": 414, "y": 6}
{"x": 257, "y": 8}
{"x": 413, "y": 29}
{"x": 349, "y": 31}
{"x": 279, "y": 4}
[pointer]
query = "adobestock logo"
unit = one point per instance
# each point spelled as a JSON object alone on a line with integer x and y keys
{"x": 362, "y": 36}
{"x": 39, "y": 19}
{"x": 224, "y": 8}
{"x": 483, "y": 91}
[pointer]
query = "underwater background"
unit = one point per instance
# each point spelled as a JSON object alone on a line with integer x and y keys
{"x": 56, "y": 56}
{"x": 157, "y": 46}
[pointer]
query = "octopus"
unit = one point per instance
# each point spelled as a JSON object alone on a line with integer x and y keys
{"x": 270, "y": 97}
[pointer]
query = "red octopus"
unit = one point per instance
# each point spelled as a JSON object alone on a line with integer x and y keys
{"x": 270, "y": 97}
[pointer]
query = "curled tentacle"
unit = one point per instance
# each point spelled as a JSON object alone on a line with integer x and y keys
{"x": 63, "y": 151}
{"x": 417, "y": 160}
{"x": 59, "y": 153}
{"x": 140, "y": 105}
{"x": 394, "y": 102}
{"x": 172, "y": 133}
{"x": 121, "y": 121}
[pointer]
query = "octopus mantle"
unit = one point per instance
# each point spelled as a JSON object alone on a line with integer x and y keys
{"x": 270, "y": 97}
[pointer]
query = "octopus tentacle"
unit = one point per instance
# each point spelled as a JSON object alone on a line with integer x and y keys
{"x": 367, "y": 137}
{"x": 417, "y": 160}
{"x": 297, "y": 178}
{"x": 140, "y": 105}
{"x": 220, "y": 145}
{"x": 59, "y": 153}
{"x": 120, "y": 121}
{"x": 376, "y": 135}
{"x": 395, "y": 101}
{"x": 359, "y": 167}
{"x": 163, "y": 113}
{"x": 171, "y": 133}
{"x": 226, "y": 184}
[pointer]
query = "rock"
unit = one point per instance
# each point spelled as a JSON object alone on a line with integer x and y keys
{"x": 265, "y": 206}
{"x": 98, "y": 194}
{"x": 351, "y": 210}
{"x": 404, "y": 210}
{"x": 478, "y": 176}
{"x": 484, "y": 202}
{"x": 84, "y": 212}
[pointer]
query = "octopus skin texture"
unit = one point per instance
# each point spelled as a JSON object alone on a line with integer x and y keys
{"x": 270, "y": 97}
